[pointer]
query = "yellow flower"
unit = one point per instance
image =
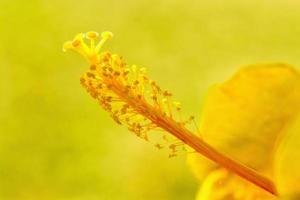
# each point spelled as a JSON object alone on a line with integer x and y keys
{"x": 247, "y": 118}
{"x": 243, "y": 123}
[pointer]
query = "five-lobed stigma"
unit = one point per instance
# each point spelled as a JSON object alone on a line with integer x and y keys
{"x": 89, "y": 51}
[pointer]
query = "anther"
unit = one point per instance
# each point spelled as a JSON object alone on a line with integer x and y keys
{"x": 76, "y": 43}
{"x": 154, "y": 97}
{"x": 167, "y": 94}
{"x": 159, "y": 146}
{"x": 139, "y": 96}
{"x": 116, "y": 73}
{"x": 82, "y": 80}
{"x": 100, "y": 86}
{"x": 90, "y": 75}
{"x": 93, "y": 67}
{"x": 177, "y": 105}
{"x": 110, "y": 69}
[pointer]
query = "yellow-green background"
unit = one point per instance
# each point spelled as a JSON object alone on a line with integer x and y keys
{"x": 55, "y": 141}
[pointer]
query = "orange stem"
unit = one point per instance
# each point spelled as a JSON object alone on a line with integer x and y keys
{"x": 211, "y": 153}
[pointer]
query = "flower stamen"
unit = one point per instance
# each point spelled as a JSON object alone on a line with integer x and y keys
{"x": 134, "y": 100}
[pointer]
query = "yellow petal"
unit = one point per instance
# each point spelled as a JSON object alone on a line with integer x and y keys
{"x": 246, "y": 116}
{"x": 287, "y": 163}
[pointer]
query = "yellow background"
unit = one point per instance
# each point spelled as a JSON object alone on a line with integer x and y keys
{"x": 55, "y": 141}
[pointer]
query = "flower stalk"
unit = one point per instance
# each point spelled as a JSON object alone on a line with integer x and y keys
{"x": 133, "y": 99}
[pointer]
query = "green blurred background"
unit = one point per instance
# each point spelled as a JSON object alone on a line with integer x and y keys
{"x": 55, "y": 141}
